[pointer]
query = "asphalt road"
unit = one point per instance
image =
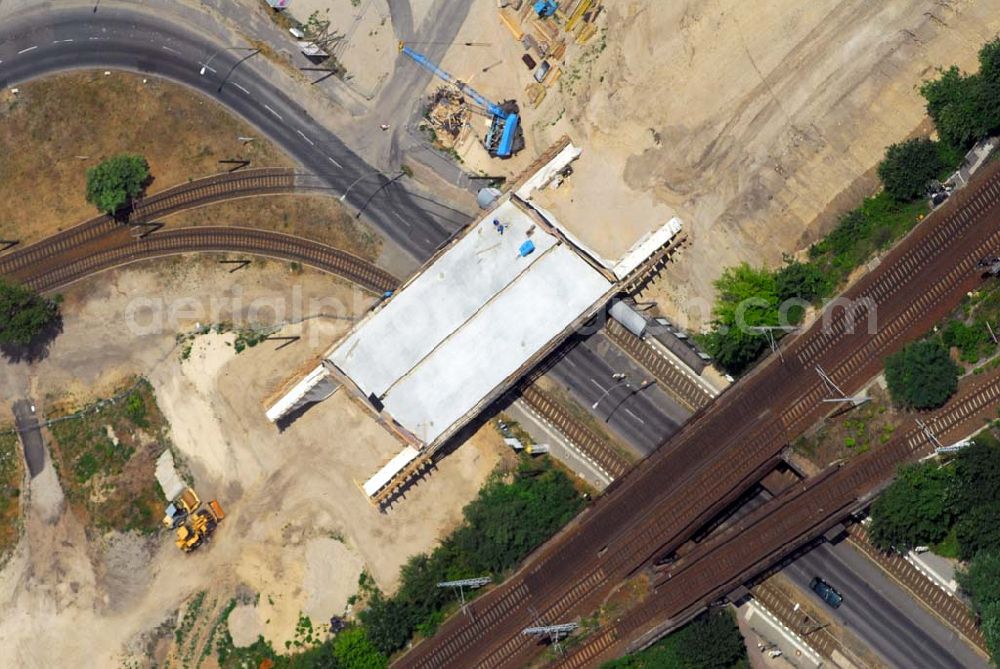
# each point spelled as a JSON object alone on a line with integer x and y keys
{"x": 36, "y": 44}
{"x": 26, "y": 423}
{"x": 880, "y": 613}
{"x": 642, "y": 417}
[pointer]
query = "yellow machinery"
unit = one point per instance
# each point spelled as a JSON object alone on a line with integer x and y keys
{"x": 199, "y": 527}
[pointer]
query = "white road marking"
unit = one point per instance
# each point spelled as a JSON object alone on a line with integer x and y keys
{"x": 167, "y": 48}
{"x": 302, "y": 135}
{"x": 240, "y": 87}
{"x": 335, "y": 162}
{"x": 272, "y": 111}
{"x": 597, "y": 384}
{"x": 30, "y": 48}
{"x": 61, "y": 41}
{"x": 629, "y": 412}
{"x": 405, "y": 222}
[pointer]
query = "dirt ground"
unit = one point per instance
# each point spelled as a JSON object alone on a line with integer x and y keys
{"x": 73, "y": 121}
{"x": 317, "y": 217}
{"x": 368, "y": 45}
{"x": 756, "y": 123}
{"x": 297, "y": 532}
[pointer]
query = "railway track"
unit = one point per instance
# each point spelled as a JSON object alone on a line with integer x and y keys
{"x": 73, "y": 242}
{"x": 737, "y": 439}
{"x": 722, "y": 563}
{"x": 214, "y": 239}
{"x": 670, "y": 379}
{"x": 589, "y": 442}
{"x": 945, "y": 605}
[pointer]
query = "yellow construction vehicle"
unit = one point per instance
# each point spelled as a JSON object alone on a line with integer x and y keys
{"x": 199, "y": 527}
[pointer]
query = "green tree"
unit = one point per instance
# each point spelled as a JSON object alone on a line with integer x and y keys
{"x": 915, "y": 509}
{"x": 989, "y": 624}
{"x": 908, "y": 167}
{"x": 921, "y": 376}
{"x": 116, "y": 181}
{"x": 799, "y": 280}
{"x": 24, "y": 314}
{"x": 981, "y": 579}
{"x": 354, "y": 650}
{"x": 953, "y": 102}
{"x": 712, "y": 641}
{"x": 745, "y": 297}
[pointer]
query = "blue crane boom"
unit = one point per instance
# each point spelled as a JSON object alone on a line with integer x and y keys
{"x": 503, "y": 138}
{"x": 478, "y": 98}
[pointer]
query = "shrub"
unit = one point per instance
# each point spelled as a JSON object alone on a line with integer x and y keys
{"x": 921, "y": 376}
{"x": 24, "y": 314}
{"x": 908, "y": 167}
{"x": 914, "y": 510}
{"x": 114, "y": 182}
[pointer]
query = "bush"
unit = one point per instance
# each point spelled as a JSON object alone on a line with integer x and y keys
{"x": 745, "y": 297}
{"x": 981, "y": 581}
{"x": 908, "y": 167}
{"x": 24, "y": 314}
{"x": 353, "y": 650}
{"x": 117, "y": 180}
{"x": 501, "y": 526}
{"x": 914, "y": 510}
{"x": 966, "y": 108}
{"x": 921, "y": 376}
{"x": 710, "y": 641}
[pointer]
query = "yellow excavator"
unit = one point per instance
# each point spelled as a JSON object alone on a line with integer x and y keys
{"x": 199, "y": 525}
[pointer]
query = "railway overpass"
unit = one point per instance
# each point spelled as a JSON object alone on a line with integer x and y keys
{"x": 734, "y": 442}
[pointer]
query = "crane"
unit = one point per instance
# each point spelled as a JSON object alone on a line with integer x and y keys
{"x": 505, "y": 136}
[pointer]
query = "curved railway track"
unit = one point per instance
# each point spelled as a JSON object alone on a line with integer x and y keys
{"x": 73, "y": 242}
{"x": 732, "y": 443}
{"x": 220, "y": 240}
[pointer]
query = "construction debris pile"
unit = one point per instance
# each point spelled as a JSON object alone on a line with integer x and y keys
{"x": 544, "y": 27}
{"x": 447, "y": 115}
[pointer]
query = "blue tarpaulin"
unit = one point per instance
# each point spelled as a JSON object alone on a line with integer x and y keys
{"x": 526, "y": 248}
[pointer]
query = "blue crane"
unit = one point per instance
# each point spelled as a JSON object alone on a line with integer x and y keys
{"x": 505, "y": 137}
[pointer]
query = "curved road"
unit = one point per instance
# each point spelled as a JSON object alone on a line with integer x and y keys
{"x": 40, "y": 43}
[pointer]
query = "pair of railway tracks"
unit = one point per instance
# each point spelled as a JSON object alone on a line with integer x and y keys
{"x": 735, "y": 556}
{"x": 733, "y": 442}
{"x": 105, "y": 242}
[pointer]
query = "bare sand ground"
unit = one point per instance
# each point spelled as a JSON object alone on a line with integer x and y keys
{"x": 368, "y": 47}
{"x": 297, "y": 531}
{"x": 756, "y": 123}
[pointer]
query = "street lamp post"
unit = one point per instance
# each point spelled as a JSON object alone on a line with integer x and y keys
{"x": 622, "y": 382}
{"x": 208, "y": 63}
{"x": 355, "y": 183}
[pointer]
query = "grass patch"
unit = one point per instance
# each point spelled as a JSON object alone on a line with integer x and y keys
{"x": 947, "y": 547}
{"x": 106, "y": 460}
{"x": 11, "y": 476}
{"x": 73, "y": 121}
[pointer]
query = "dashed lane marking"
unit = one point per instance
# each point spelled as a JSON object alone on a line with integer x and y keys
{"x": 303, "y": 136}
{"x": 30, "y": 48}
{"x": 241, "y": 88}
{"x": 335, "y": 162}
{"x": 61, "y": 41}
{"x": 273, "y": 112}
{"x": 171, "y": 50}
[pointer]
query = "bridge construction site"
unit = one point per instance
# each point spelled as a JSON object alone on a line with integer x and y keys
{"x": 516, "y": 283}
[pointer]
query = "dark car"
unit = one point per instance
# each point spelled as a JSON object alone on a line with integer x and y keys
{"x": 826, "y": 592}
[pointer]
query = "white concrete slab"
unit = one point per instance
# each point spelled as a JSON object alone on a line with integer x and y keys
{"x": 395, "y": 338}
{"x": 495, "y": 343}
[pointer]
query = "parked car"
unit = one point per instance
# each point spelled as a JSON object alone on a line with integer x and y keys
{"x": 826, "y": 592}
